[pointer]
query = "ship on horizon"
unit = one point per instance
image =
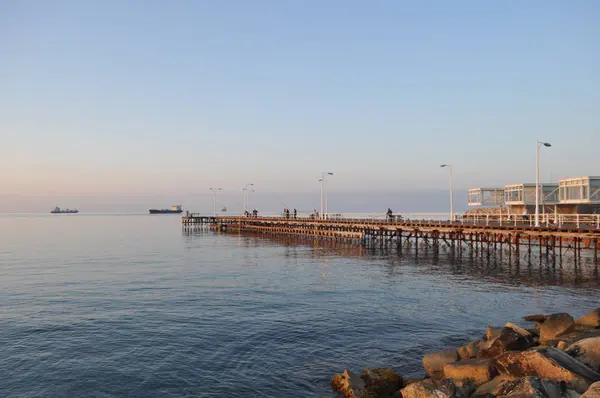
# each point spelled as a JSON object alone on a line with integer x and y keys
{"x": 173, "y": 210}
{"x": 58, "y": 210}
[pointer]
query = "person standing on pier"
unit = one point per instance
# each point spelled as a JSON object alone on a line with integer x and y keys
{"x": 295, "y": 214}
{"x": 389, "y": 214}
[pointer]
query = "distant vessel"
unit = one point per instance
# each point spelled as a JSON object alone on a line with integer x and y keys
{"x": 58, "y": 210}
{"x": 174, "y": 209}
{"x": 224, "y": 209}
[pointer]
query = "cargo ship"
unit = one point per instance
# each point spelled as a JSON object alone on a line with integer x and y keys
{"x": 173, "y": 210}
{"x": 58, "y": 210}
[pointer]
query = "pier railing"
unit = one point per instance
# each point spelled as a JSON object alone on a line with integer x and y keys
{"x": 546, "y": 220}
{"x": 588, "y": 221}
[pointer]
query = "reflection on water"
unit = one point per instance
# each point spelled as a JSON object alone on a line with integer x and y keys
{"x": 128, "y": 306}
{"x": 504, "y": 267}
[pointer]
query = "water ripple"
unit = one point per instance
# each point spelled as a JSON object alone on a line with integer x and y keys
{"x": 151, "y": 312}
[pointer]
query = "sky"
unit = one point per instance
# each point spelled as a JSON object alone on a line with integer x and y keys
{"x": 137, "y": 102}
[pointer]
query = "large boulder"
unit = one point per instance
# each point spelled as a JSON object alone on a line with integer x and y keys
{"x": 593, "y": 391}
{"x": 491, "y": 333}
{"x": 479, "y": 371}
{"x": 373, "y": 383}
{"x": 510, "y": 339}
{"x": 566, "y": 340}
{"x": 432, "y": 388}
{"x": 556, "y": 325}
{"x": 434, "y": 363}
{"x": 590, "y": 320}
{"x": 381, "y": 383}
{"x": 348, "y": 383}
{"x": 549, "y": 363}
{"x": 470, "y": 350}
{"x": 530, "y": 387}
{"x": 587, "y": 351}
{"x": 487, "y": 389}
{"x": 535, "y": 318}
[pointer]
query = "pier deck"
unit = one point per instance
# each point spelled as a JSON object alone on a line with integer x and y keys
{"x": 554, "y": 241}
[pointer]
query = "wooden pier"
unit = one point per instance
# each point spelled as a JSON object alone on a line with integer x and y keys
{"x": 553, "y": 242}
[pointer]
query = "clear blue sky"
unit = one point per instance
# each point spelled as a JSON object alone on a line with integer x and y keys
{"x": 140, "y": 97}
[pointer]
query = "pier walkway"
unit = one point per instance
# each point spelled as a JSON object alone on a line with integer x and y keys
{"x": 520, "y": 237}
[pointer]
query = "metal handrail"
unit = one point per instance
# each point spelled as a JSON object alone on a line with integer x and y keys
{"x": 546, "y": 220}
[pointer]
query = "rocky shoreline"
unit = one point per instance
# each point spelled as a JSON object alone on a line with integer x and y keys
{"x": 559, "y": 356}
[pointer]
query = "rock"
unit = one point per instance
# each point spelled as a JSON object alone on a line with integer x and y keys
{"x": 546, "y": 362}
{"x": 573, "y": 337}
{"x": 591, "y": 320}
{"x": 535, "y": 318}
{"x": 518, "y": 329}
{"x": 374, "y": 383}
{"x": 434, "y": 363}
{"x": 487, "y": 389}
{"x": 534, "y": 332}
{"x": 444, "y": 388}
{"x": 592, "y": 392}
{"x": 508, "y": 340}
{"x": 470, "y": 350}
{"x": 381, "y": 383}
{"x": 556, "y": 325}
{"x": 529, "y": 387}
{"x": 479, "y": 371}
{"x": 348, "y": 383}
{"x": 561, "y": 345}
{"x": 587, "y": 351}
{"x": 491, "y": 333}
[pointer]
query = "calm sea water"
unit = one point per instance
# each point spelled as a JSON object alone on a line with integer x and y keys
{"x": 114, "y": 306}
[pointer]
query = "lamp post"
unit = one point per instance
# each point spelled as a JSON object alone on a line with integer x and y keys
{"x": 324, "y": 191}
{"x": 214, "y": 191}
{"x": 245, "y": 189}
{"x": 537, "y": 180}
{"x": 449, "y": 166}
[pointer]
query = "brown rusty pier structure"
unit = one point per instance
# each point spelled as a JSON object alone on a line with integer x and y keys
{"x": 552, "y": 242}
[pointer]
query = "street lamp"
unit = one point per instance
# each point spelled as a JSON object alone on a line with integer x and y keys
{"x": 324, "y": 190}
{"x": 537, "y": 180}
{"x": 214, "y": 191}
{"x": 451, "y": 191}
{"x": 245, "y": 189}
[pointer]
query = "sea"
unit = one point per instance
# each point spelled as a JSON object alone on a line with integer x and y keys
{"x": 135, "y": 306}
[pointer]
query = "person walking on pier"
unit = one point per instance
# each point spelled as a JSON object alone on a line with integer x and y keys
{"x": 389, "y": 214}
{"x": 295, "y": 214}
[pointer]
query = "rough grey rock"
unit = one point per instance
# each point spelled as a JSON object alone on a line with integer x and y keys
{"x": 556, "y": 325}
{"x": 432, "y": 388}
{"x": 548, "y": 363}
{"x": 590, "y": 320}
{"x": 535, "y": 318}
{"x": 586, "y": 351}
{"x": 593, "y": 391}
{"x": 434, "y": 363}
{"x": 508, "y": 340}
{"x": 487, "y": 389}
{"x": 470, "y": 350}
{"x": 348, "y": 383}
{"x": 530, "y": 387}
{"x": 491, "y": 333}
{"x": 479, "y": 371}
